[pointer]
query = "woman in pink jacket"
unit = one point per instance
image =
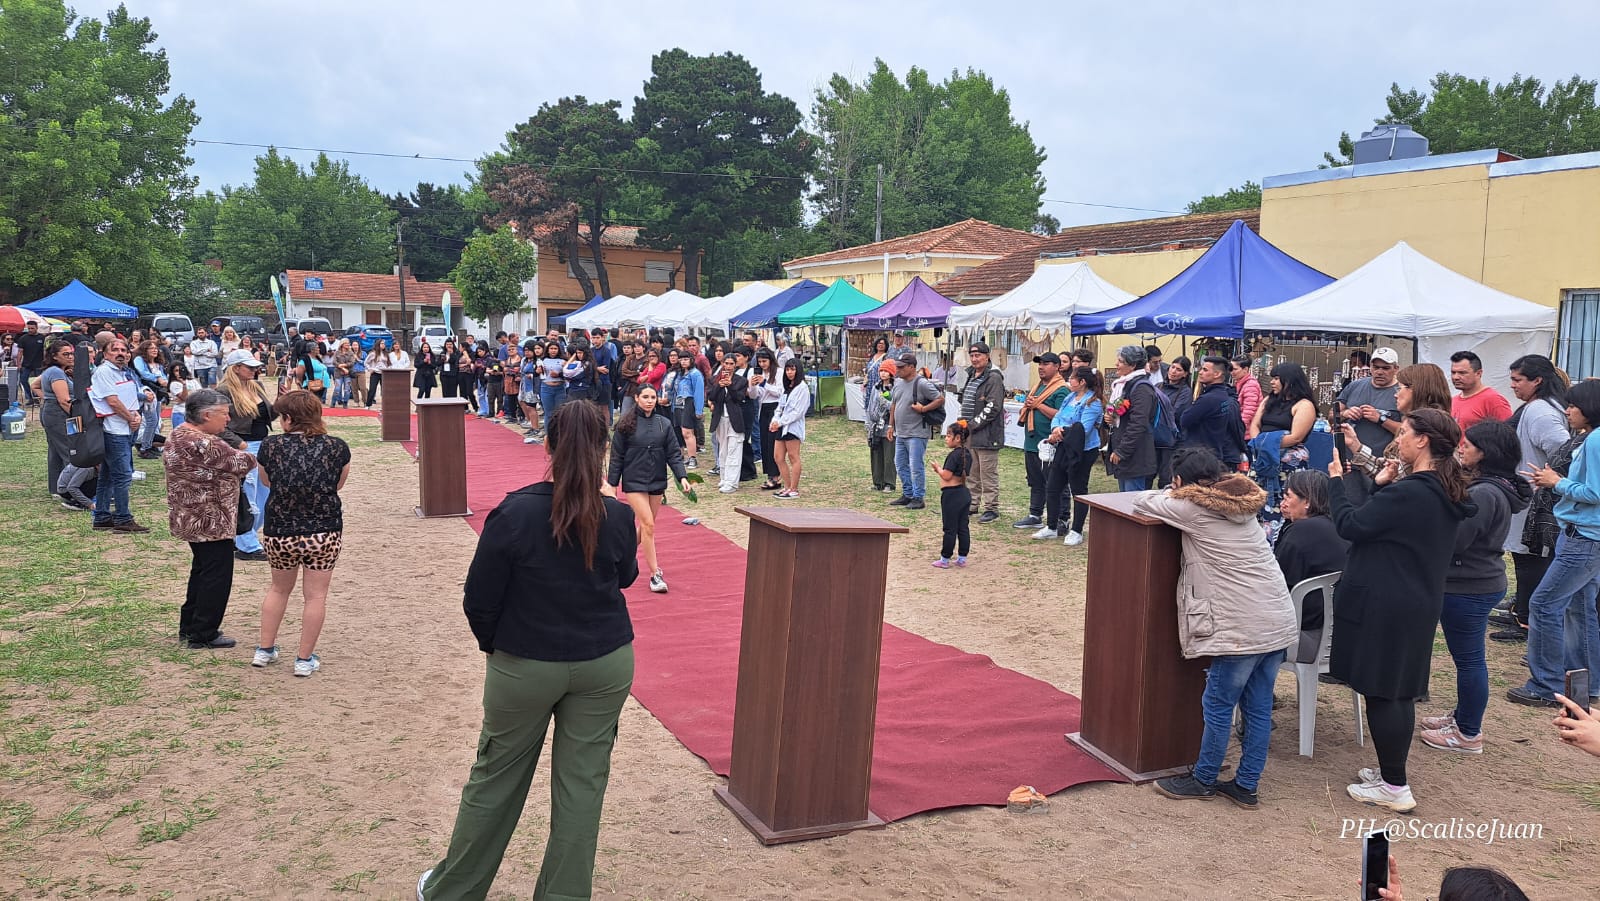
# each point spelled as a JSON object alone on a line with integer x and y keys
{"x": 1248, "y": 389}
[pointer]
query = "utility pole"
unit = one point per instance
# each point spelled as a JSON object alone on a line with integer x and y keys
{"x": 400, "y": 274}
{"x": 877, "y": 232}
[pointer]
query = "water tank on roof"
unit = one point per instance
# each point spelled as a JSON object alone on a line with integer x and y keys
{"x": 1390, "y": 142}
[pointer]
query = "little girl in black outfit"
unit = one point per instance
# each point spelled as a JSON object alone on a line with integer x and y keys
{"x": 954, "y": 498}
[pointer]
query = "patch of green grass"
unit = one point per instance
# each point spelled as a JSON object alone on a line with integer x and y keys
{"x": 175, "y": 822}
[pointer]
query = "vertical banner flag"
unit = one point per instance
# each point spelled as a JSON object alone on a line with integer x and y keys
{"x": 444, "y": 304}
{"x": 277, "y": 302}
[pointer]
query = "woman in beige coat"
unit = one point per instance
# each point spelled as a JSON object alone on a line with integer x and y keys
{"x": 203, "y": 477}
{"x": 1233, "y": 607}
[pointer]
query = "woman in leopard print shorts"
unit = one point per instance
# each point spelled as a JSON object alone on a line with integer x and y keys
{"x": 304, "y": 527}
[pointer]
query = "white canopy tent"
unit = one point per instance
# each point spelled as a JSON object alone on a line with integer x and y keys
{"x": 1403, "y": 293}
{"x": 1045, "y": 302}
{"x": 668, "y": 310}
{"x": 716, "y": 315}
{"x": 597, "y": 315}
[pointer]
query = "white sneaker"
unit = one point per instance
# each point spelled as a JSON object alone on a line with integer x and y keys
{"x": 138, "y": 475}
{"x": 1378, "y": 794}
{"x": 421, "y": 881}
{"x": 1369, "y": 775}
{"x": 658, "y": 582}
{"x": 531, "y": 439}
{"x": 1073, "y": 539}
{"x": 265, "y": 656}
{"x": 727, "y": 489}
{"x": 307, "y": 667}
{"x": 1042, "y": 534}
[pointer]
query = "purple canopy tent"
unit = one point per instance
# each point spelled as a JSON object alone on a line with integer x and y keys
{"x": 916, "y": 306}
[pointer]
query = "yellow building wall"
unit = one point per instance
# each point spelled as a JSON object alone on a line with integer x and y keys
{"x": 867, "y": 276}
{"x": 1543, "y": 235}
{"x": 1336, "y": 226}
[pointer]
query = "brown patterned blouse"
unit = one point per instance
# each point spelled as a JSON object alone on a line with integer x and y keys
{"x": 203, "y": 476}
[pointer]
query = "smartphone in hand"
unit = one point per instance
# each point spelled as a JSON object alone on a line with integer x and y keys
{"x": 1577, "y": 690}
{"x": 1374, "y": 864}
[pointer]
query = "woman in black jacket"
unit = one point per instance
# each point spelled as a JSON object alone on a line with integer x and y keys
{"x": 1131, "y": 414}
{"x": 426, "y": 365}
{"x": 1387, "y": 605}
{"x": 1308, "y": 546}
{"x": 1477, "y": 580}
{"x": 467, "y": 378}
{"x": 643, "y": 447}
{"x": 544, "y": 599}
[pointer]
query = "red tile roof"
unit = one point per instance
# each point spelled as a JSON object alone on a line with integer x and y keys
{"x": 971, "y": 236}
{"x": 613, "y": 236}
{"x": 362, "y": 287}
{"x": 996, "y": 277}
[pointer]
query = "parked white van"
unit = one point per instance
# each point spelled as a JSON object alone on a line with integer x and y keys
{"x": 176, "y": 326}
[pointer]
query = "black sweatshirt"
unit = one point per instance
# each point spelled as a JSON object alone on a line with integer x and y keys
{"x": 529, "y": 598}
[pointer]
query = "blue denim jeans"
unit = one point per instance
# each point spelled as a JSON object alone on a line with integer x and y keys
{"x": 483, "y": 402}
{"x": 149, "y": 423}
{"x": 207, "y": 376}
{"x": 1465, "y": 620}
{"x": 250, "y": 542}
{"x": 116, "y": 474}
{"x": 550, "y": 398}
{"x": 1562, "y": 633}
{"x": 341, "y": 390}
{"x": 909, "y": 454}
{"x": 1243, "y": 682}
{"x": 1134, "y": 484}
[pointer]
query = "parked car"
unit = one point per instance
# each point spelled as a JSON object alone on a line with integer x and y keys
{"x": 368, "y": 335}
{"x": 253, "y": 326}
{"x": 435, "y": 335}
{"x": 176, "y": 326}
{"x": 311, "y": 325}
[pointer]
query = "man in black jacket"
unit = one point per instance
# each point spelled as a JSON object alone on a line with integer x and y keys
{"x": 727, "y": 396}
{"x": 1212, "y": 421}
{"x": 983, "y": 406}
{"x": 32, "y": 344}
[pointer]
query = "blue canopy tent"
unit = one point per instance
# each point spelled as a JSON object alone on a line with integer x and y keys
{"x": 594, "y": 301}
{"x": 79, "y": 301}
{"x": 765, "y": 314}
{"x": 1240, "y": 272}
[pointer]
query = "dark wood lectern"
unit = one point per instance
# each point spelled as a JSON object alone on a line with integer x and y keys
{"x": 442, "y": 456}
{"x": 808, "y": 672}
{"x": 394, "y": 405}
{"x": 1141, "y": 699}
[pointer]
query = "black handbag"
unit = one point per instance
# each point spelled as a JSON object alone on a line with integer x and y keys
{"x": 86, "y": 447}
{"x": 245, "y": 518}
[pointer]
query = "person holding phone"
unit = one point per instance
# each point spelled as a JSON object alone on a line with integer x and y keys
{"x": 1562, "y": 630}
{"x": 1578, "y": 727}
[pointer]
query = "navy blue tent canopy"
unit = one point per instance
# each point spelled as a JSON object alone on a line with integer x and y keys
{"x": 765, "y": 314}
{"x": 1240, "y": 272}
{"x": 79, "y": 301}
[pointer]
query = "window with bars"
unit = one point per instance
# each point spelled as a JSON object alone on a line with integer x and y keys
{"x": 1578, "y": 348}
{"x": 588, "y": 266}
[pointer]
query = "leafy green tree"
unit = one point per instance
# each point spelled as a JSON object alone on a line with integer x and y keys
{"x": 321, "y": 217}
{"x": 949, "y": 151}
{"x": 1520, "y": 116}
{"x": 438, "y": 222}
{"x": 725, "y": 155}
{"x": 491, "y": 274}
{"x": 758, "y": 253}
{"x": 1245, "y": 197}
{"x": 200, "y": 224}
{"x": 579, "y": 151}
{"x": 93, "y": 164}
{"x": 198, "y": 290}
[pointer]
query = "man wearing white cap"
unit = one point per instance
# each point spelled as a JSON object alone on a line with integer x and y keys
{"x": 1367, "y": 402}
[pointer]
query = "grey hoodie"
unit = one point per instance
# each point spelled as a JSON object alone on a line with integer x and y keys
{"x": 1479, "y": 566}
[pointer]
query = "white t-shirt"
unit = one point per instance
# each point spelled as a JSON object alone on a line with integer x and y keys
{"x": 111, "y": 380}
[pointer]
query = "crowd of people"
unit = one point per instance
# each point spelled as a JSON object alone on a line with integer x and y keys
{"x": 1412, "y": 493}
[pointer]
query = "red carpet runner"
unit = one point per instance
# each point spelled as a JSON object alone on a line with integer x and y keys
{"x": 953, "y": 728}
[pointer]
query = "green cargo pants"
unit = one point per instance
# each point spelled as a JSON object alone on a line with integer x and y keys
{"x": 519, "y": 698}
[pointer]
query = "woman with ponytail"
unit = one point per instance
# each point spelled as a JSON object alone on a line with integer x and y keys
{"x": 561, "y": 649}
{"x": 1388, "y": 602}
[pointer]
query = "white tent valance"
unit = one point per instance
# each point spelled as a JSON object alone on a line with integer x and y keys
{"x": 1401, "y": 292}
{"x": 1045, "y": 302}
{"x": 716, "y": 315}
{"x": 597, "y": 315}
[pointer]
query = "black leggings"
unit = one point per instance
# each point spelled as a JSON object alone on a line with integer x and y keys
{"x": 1390, "y": 721}
{"x": 769, "y": 440}
{"x": 1064, "y": 483}
{"x": 1530, "y": 571}
{"x": 955, "y": 511}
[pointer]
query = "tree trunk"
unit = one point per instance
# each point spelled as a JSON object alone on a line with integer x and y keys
{"x": 597, "y": 229}
{"x": 572, "y": 244}
{"x": 691, "y": 270}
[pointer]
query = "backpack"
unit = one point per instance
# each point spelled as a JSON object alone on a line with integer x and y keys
{"x": 86, "y": 448}
{"x": 1163, "y": 426}
{"x": 935, "y": 417}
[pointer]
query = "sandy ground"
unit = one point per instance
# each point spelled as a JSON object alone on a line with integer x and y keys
{"x": 348, "y": 782}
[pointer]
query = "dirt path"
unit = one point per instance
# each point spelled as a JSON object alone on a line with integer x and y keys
{"x": 348, "y": 781}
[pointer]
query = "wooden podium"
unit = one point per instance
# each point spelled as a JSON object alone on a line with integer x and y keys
{"x": 441, "y": 456}
{"x": 1141, "y": 699}
{"x": 808, "y": 672}
{"x": 394, "y": 405}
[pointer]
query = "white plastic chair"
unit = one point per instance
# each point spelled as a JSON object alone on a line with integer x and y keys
{"x": 1305, "y": 674}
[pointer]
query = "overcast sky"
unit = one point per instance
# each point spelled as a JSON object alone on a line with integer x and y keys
{"x": 1144, "y": 104}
